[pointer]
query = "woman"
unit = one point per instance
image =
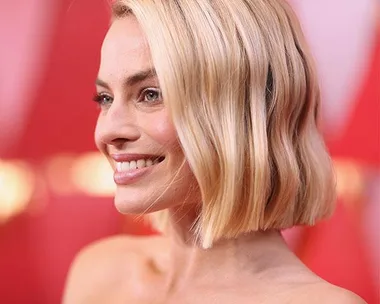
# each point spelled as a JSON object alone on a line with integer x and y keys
{"x": 208, "y": 114}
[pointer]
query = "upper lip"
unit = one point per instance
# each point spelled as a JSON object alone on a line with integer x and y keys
{"x": 135, "y": 157}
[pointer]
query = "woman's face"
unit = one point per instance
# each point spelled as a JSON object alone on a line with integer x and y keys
{"x": 134, "y": 130}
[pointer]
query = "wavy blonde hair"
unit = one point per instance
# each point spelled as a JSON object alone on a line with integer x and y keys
{"x": 243, "y": 93}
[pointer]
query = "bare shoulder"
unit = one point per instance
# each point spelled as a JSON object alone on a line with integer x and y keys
{"x": 119, "y": 247}
{"x": 110, "y": 265}
{"x": 325, "y": 292}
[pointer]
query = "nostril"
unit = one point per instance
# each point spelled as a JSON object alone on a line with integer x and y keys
{"x": 118, "y": 142}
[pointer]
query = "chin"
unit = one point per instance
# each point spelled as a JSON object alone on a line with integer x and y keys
{"x": 128, "y": 201}
{"x": 156, "y": 193}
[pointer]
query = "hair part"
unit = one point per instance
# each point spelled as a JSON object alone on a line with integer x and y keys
{"x": 239, "y": 81}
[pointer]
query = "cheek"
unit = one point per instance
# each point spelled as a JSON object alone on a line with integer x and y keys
{"x": 163, "y": 132}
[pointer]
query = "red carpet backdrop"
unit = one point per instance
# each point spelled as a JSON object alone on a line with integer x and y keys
{"x": 56, "y": 191}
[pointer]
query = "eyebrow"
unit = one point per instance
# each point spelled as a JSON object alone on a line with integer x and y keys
{"x": 132, "y": 79}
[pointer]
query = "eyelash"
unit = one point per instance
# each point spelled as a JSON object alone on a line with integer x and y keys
{"x": 99, "y": 97}
{"x": 145, "y": 92}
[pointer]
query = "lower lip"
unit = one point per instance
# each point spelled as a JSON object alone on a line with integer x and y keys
{"x": 129, "y": 177}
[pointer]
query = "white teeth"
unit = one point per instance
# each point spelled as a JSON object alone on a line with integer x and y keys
{"x": 141, "y": 163}
{"x": 133, "y": 165}
{"x": 125, "y": 166}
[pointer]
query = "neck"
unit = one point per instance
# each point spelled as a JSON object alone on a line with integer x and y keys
{"x": 249, "y": 254}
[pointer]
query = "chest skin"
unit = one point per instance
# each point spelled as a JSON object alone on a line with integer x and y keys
{"x": 148, "y": 288}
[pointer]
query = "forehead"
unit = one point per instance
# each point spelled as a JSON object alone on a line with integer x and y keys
{"x": 124, "y": 50}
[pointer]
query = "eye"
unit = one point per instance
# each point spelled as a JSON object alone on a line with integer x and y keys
{"x": 102, "y": 99}
{"x": 151, "y": 95}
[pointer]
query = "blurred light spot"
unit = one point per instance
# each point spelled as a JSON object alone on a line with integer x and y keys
{"x": 350, "y": 180}
{"x": 93, "y": 175}
{"x": 16, "y": 188}
{"x": 58, "y": 174}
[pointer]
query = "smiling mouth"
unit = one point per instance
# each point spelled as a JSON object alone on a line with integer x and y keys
{"x": 138, "y": 164}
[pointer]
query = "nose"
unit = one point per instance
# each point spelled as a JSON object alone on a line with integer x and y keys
{"x": 117, "y": 125}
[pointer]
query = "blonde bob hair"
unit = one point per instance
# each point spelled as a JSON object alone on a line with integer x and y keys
{"x": 238, "y": 79}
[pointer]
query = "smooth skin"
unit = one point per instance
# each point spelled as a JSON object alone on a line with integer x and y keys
{"x": 255, "y": 268}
